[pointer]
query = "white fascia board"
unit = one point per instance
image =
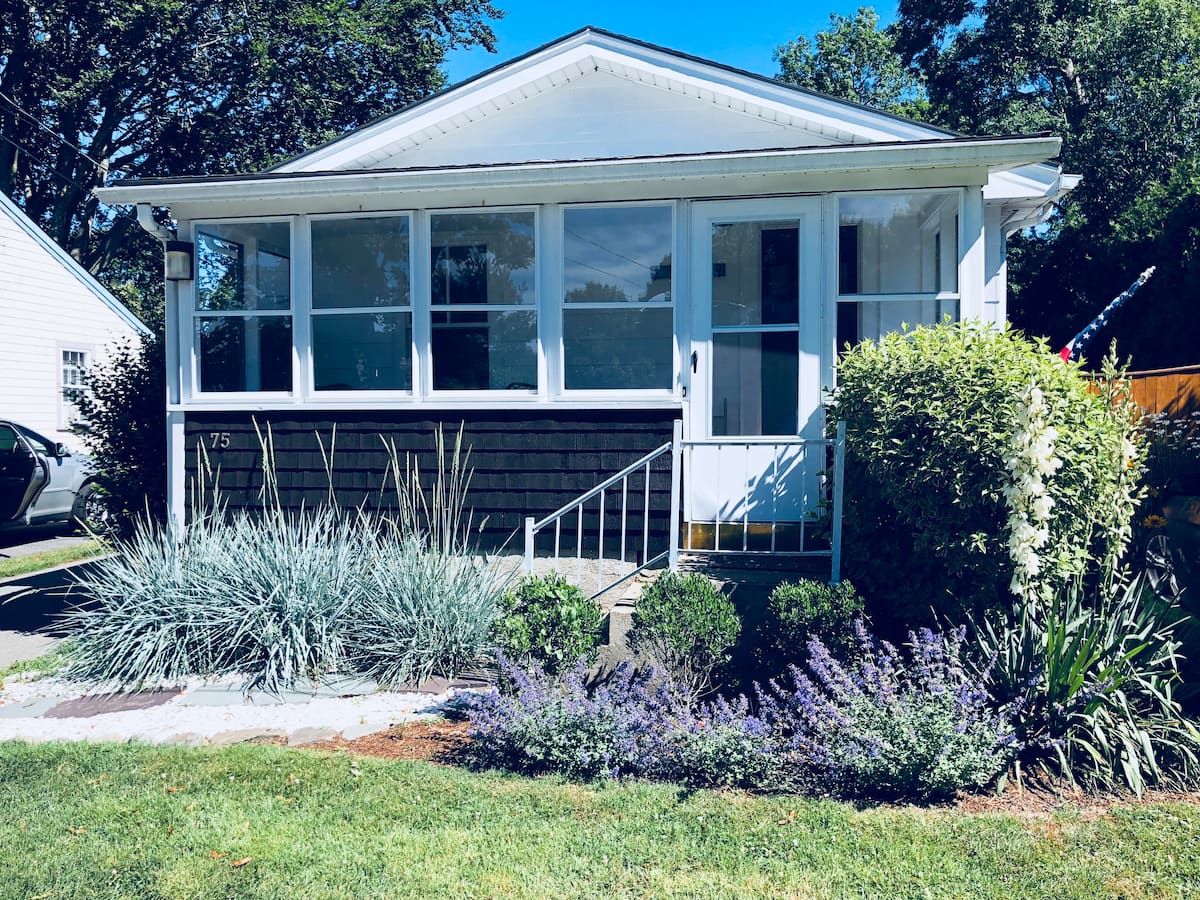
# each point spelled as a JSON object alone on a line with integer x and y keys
{"x": 992, "y": 155}
{"x": 826, "y": 113}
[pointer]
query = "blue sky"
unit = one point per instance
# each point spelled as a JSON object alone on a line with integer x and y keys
{"x": 742, "y": 33}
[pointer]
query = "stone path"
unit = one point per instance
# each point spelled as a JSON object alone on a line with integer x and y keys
{"x": 211, "y": 711}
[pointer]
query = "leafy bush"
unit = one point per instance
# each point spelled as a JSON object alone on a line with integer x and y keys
{"x": 687, "y": 626}
{"x": 890, "y": 725}
{"x": 548, "y": 620}
{"x": 539, "y": 723}
{"x": 1089, "y": 682}
{"x": 126, "y": 433}
{"x": 931, "y": 419}
{"x": 797, "y": 612}
{"x": 279, "y": 598}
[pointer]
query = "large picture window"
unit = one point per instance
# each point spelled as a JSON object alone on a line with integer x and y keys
{"x": 897, "y": 262}
{"x": 618, "y": 310}
{"x": 242, "y": 324}
{"x": 361, "y": 304}
{"x": 483, "y": 295}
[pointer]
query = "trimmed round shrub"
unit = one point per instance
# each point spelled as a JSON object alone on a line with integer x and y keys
{"x": 687, "y": 626}
{"x": 549, "y": 621}
{"x": 932, "y": 428}
{"x": 797, "y": 612}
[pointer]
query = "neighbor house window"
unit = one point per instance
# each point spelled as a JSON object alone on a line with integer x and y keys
{"x": 483, "y": 296}
{"x": 72, "y": 367}
{"x": 361, "y": 304}
{"x": 618, "y": 314}
{"x": 242, "y": 324}
{"x": 897, "y": 262}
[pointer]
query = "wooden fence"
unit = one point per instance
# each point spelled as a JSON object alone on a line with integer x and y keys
{"x": 1175, "y": 392}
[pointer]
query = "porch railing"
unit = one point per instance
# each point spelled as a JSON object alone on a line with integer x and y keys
{"x": 627, "y": 498}
{"x": 775, "y": 496}
{"x": 797, "y": 493}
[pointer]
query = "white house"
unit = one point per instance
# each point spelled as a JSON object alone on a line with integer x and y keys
{"x": 567, "y": 255}
{"x": 56, "y": 321}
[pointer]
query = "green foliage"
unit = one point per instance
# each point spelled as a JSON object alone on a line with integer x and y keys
{"x": 686, "y": 625}
{"x": 173, "y": 87}
{"x": 1089, "y": 682}
{"x": 797, "y": 612}
{"x": 549, "y": 620}
{"x": 125, "y": 408}
{"x": 1120, "y": 82}
{"x": 854, "y": 60}
{"x": 930, "y": 417}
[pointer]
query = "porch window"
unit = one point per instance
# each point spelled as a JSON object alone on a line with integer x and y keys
{"x": 483, "y": 301}
{"x": 242, "y": 323}
{"x": 362, "y": 304}
{"x": 897, "y": 262}
{"x": 618, "y": 310}
{"x": 756, "y": 327}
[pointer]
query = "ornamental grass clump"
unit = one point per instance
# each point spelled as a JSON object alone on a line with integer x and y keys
{"x": 912, "y": 725}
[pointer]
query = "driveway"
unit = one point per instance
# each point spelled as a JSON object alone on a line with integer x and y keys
{"x": 28, "y": 541}
{"x": 30, "y": 606}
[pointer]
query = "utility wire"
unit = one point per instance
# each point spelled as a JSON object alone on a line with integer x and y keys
{"x": 50, "y": 131}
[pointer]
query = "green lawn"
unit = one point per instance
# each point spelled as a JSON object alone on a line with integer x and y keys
{"x": 35, "y": 562}
{"x": 255, "y": 821}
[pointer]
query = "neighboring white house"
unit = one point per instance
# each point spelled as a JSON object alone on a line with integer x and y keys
{"x": 568, "y": 255}
{"x": 56, "y": 320}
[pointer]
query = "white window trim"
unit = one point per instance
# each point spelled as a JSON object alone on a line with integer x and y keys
{"x": 561, "y": 306}
{"x": 306, "y": 346}
{"x": 188, "y": 298}
{"x": 64, "y": 421}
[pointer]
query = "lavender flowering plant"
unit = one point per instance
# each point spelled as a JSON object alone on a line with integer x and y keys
{"x": 915, "y": 724}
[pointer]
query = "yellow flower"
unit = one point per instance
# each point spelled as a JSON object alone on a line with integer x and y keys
{"x": 1154, "y": 522}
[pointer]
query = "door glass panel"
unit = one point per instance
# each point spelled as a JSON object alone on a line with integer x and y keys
{"x": 755, "y": 383}
{"x": 756, "y": 273}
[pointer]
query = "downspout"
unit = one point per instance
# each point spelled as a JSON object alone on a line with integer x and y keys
{"x": 175, "y": 420}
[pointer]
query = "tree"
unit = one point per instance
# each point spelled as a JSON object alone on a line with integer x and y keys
{"x": 1120, "y": 81}
{"x": 91, "y": 90}
{"x": 854, "y": 60}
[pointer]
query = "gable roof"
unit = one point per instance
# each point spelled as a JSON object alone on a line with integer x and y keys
{"x": 68, "y": 262}
{"x": 808, "y": 117}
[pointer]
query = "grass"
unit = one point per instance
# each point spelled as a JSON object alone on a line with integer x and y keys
{"x": 48, "y": 559}
{"x": 258, "y": 821}
{"x": 46, "y": 664}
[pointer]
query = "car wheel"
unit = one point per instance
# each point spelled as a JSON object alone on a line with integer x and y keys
{"x": 90, "y": 509}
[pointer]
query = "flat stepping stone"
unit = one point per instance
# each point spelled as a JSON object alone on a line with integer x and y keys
{"x": 99, "y": 704}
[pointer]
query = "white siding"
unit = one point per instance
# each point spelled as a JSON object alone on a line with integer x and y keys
{"x": 596, "y": 115}
{"x": 44, "y": 309}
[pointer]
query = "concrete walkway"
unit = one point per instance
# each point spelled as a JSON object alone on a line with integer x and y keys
{"x": 30, "y": 611}
{"x": 28, "y": 541}
{"x": 211, "y": 711}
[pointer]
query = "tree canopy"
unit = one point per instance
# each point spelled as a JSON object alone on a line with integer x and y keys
{"x": 1119, "y": 80}
{"x": 90, "y": 89}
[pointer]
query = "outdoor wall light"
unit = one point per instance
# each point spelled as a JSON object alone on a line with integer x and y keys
{"x": 177, "y": 261}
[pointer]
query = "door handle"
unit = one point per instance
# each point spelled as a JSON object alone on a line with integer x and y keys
{"x": 695, "y": 360}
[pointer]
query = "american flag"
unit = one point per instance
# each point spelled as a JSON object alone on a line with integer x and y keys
{"x": 1078, "y": 344}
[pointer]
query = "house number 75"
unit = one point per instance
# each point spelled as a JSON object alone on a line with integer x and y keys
{"x": 218, "y": 440}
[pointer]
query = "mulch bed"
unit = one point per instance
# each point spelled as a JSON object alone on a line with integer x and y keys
{"x": 438, "y": 741}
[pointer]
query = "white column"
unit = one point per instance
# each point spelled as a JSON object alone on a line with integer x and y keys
{"x": 995, "y": 293}
{"x": 971, "y": 266}
{"x": 550, "y": 301}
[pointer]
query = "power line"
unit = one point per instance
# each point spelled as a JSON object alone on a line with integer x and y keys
{"x": 584, "y": 237}
{"x": 50, "y": 131}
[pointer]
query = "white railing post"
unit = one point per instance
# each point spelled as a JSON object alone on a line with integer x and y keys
{"x": 529, "y": 520}
{"x": 676, "y": 478}
{"x": 839, "y": 469}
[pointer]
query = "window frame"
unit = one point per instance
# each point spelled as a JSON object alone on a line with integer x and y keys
{"x": 189, "y": 296}
{"x": 308, "y": 348}
{"x": 64, "y": 421}
{"x": 560, "y": 306}
{"x": 427, "y": 308}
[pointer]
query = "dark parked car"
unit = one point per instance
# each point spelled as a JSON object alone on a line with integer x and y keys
{"x": 41, "y": 482}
